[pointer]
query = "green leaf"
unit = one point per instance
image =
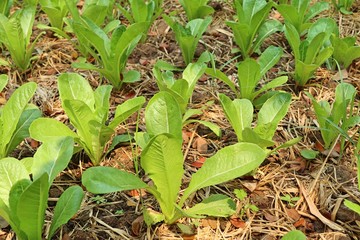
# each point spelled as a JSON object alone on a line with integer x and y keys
{"x": 52, "y": 157}
{"x": 151, "y": 217}
{"x": 72, "y": 86}
{"x": 269, "y": 58}
{"x": 271, "y": 113}
{"x": 249, "y": 135}
{"x": 309, "y": 154}
{"x": 323, "y": 25}
{"x": 116, "y": 180}
{"x": 11, "y": 171}
{"x": 67, "y": 206}
{"x": 240, "y": 194}
{"x": 162, "y": 160}
{"x": 220, "y": 75}
{"x": 45, "y": 129}
{"x": 3, "y": 81}
{"x": 12, "y": 111}
{"x": 126, "y": 109}
{"x": 31, "y": 207}
{"x": 216, "y": 205}
{"x": 227, "y": 164}
{"x": 212, "y": 126}
{"x": 294, "y": 235}
{"x": 163, "y": 115}
{"x": 131, "y": 76}
{"x": 238, "y": 112}
{"x": 249, "y": 76}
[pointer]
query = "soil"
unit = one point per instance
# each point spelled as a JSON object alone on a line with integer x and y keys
{"x": 321, "y": 184}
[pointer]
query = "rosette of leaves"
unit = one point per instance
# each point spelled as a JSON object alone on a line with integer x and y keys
{"x": 88, "y": 112}
{"x": 252, "y": 27}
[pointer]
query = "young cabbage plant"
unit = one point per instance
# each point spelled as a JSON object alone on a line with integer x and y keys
{"x": 196, "y": 9}
{"x": 15, "y": 34}
{"x": 23, "y": 200}
{"x": 16, "y": 116}
{"x": 55, "y": 10}
{"x": 188, "y": 36}
{"x": 309, "y": 54}
{"x": 162, "y": 161}
{"x": 345, "y": 50}
{"x": 239, "y": 113}
{"x": 142, "y": 11}
{"x": 250, "y": 72}
{"x": 88, "y": 112}
{"x": 334, "y": 120}
{"x": 252, "y": 27}
{"x": 5, "y": 6}
{"x": 343, "y": 6}
{"x": 299, "y": 13}
{"x": 183, "y": 88}
{"x": 110, "y": 53}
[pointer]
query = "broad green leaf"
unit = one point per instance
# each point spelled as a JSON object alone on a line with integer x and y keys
{"x": 116, "y": 180}
{"x": 315, "y": 9}
{"x": 309, "y": 154}
{"x": 220, "y": 75}
{"x": 291, "y": 16}
{"x": 323, "y": 25}
{"x": 216, "y": 205}
{"x": 250, "y": 136}
{"x": 12, "y": 111}
{"x": 72, "y": 86}
{"x": 151, "y": 217}
{"x": 303, "y": 72}
{"x": 22, "y": 128}
{"x": 131, "y": 76}
{"x": 163, "y": 115}
{"x": 162, "y": 161}
{"x": 294, "y": 235}
{"x": 227, "y": 164}
{"x": 293, "y": 38}
{"x": 67, "y": 206}
{"x": 265, "y": 30}
{"x": 31, "y": 207}
{"x": 102, "y": 104}
{"x": 11, "y": 171}
{"x": 269, "y": 58}
{"x": 45, "y": 129}
{"x": 191, "y": 74}
{"x": 277, "y": 82}
{"x": 249, "y": 76}
{"x": 126, "y": 109}
{"x": 238, "y": 112}
{"x": 271, "y": 113}
{"x": 52, "y": 157}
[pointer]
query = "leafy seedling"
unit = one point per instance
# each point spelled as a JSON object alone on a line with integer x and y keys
{"x": 188, "y": 36}
{"x": 299, "y": 13}
{"x": 334, "y": 120}
{"x": 343, "y": 6}
{"x": 55, "y": 10}
{"x": 250, "y": 72}
{"x": 309, "y": 154}
{"x": 196, "y": 9}
{"x": 23, "y": 200}
{"x": 345, "y": 50}
{"x": 290, "y": 200}
{"x": 16, "y": 116}
{"x": 15, "y": 34}
{"x": 239, "y": 113}
{"x": 252, "y": 27}
{"x": 88, "y": 112}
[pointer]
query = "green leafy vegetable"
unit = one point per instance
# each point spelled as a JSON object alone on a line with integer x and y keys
{"x": 23, "y": 201}
{"x": 15, "y": 34}
{"x": 252, "y": 28}
{"x": 343, "y": 6}
{"x": 334, "y": 120}
{"x": 88, "y": 112}
{"x": 188, "y": 36}
{"x": 16, "y": 117}
{"x": 55, "y": 10}
{"x": 196, "y": 9}
{"x": 345, "y": 51}
{"x": 299, "y": 13}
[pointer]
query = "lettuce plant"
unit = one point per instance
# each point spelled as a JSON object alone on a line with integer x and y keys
{"x": 16, "y": 116}
{"x": 188, "y": 36}
{"x": 5, "y": 6}
{"x": 182, "y": 89}
{"x": 250, "y": 72}
{"x": 345, "y": 50}
{"x": 142, "y": 11}
{"x": 240, "y": 112}
{"x": 196, "y": 9}
{"x": 334, "y": 120}
{"x": 343, "y": 6}
{"x": 23, "y": 200}
{"x": 299, "y": 13}
{"x": 55, "y": 10}
{"x": 251, "y": 28}
{"x": 110, "y": 53}
{"x": 88, "y": 112}
{"x": 162, "y": 160}
{"x": 15, "y": 34}
{"x": 309, "y": 54}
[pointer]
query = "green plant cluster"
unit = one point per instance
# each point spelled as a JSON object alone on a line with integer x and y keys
{"x": 96, "y": 32}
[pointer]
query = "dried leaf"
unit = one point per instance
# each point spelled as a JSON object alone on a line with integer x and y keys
{"x": 198, "y": 163}
{"x": 292, "y": 213}
{"x": 136, "y": 225}
{"x": 201, "y": 145}
{"x": 237, "y": 222}
{"x": 212, "y": 223}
